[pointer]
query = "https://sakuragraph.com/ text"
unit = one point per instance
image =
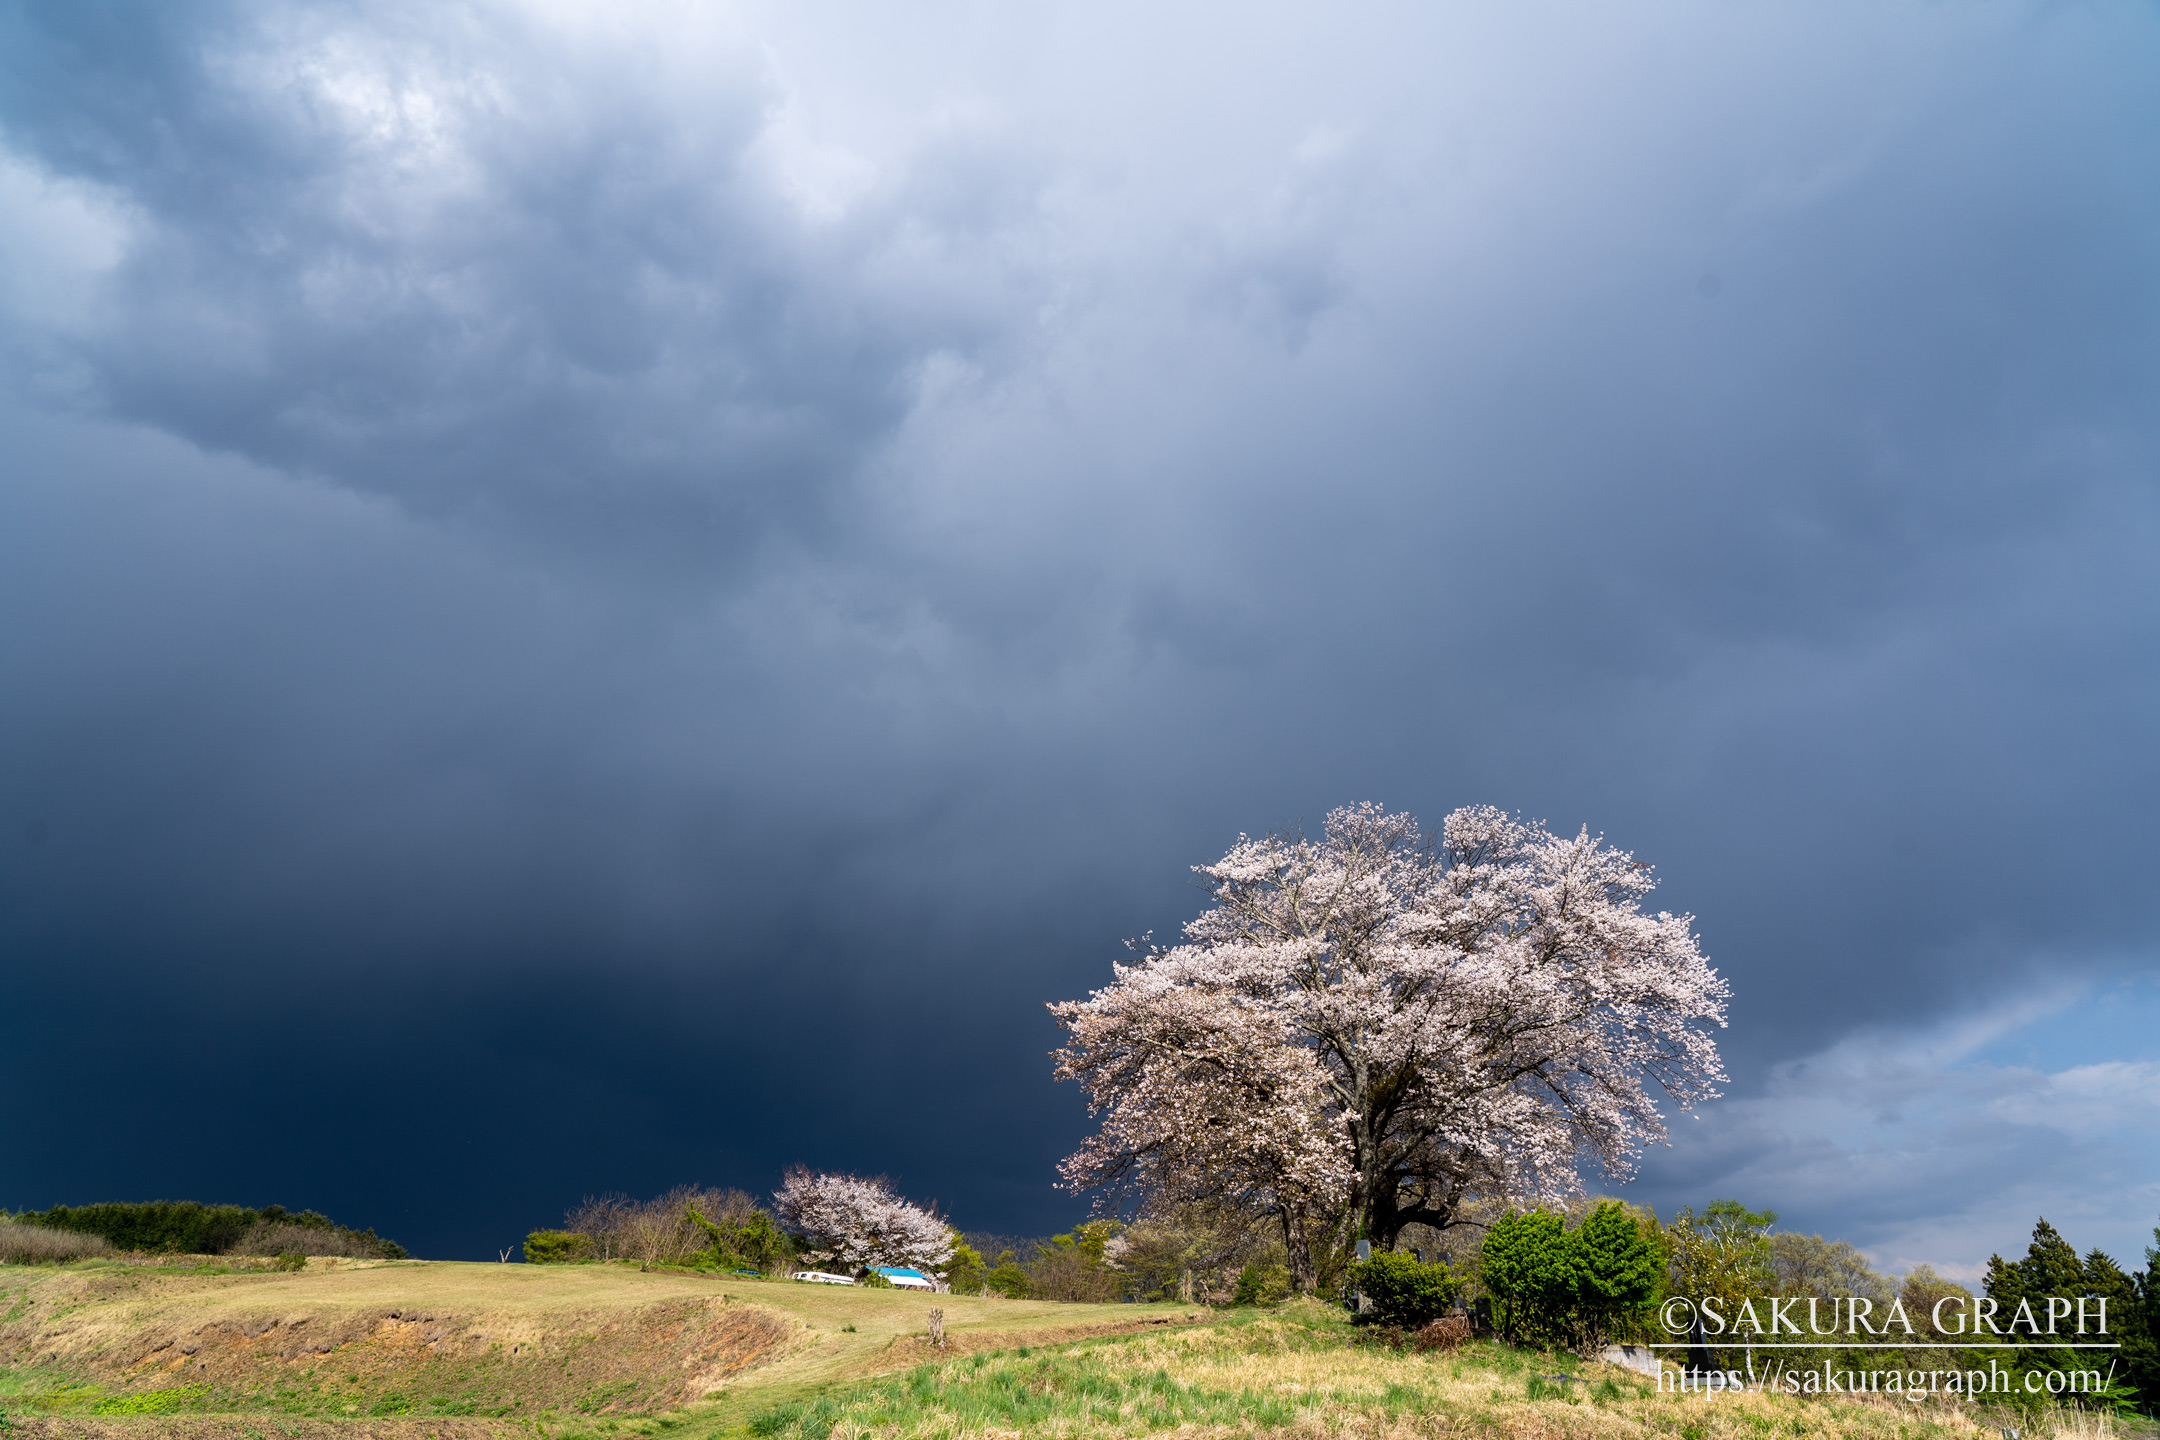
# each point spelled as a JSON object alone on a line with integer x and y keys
{"x": 2062, "y": 1326}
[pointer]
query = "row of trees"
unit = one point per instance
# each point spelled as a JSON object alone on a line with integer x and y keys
{"x": 1598, "y": 1271}
{"x": 849, "y": 1224}
{"x": 188, "y": 1227}
{"x": 1179, "y": 1258}
{"x": 677, "y": 1228}
{"x": 837, "y": 1222}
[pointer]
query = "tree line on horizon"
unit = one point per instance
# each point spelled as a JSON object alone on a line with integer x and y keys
{"x": 183, "y": 1227}
{"x": 1577, "y": 1276}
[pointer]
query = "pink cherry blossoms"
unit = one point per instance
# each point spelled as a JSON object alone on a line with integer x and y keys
{"x": 851, "y": 1222}
{"x": 1367, "y": 1029}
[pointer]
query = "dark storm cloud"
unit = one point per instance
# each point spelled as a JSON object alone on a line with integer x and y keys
{"x": 470, "y": 261}
{"x": 557, "y": 564}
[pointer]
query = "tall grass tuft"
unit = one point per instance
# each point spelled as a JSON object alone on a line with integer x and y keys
{"x": 22, "y": 1244}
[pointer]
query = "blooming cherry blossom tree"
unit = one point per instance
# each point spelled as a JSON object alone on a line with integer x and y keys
{"x": 1368, "y": 1029}
{"x": 851, "y": 1222}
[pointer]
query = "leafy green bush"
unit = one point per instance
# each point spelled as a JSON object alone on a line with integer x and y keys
{"x": 1402, "y": 1291}
{"x": 1007, "y": 1278}
{"x": 1529, "y": 1267}
{"x": 556, "y": 1247}
{"x": 182, "y": 1226}
{"x": 1262, "y": 1285}
{"x": 754, "y": 1243}
{"x": 1571, "y": 1288}
{"x": 965, "y": 1271}
{"x": 1618, "y": 1273}
{"x": 291, "y": 1260}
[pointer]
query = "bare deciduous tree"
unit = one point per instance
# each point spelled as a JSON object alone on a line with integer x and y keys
{"x": 657, "y": 1231}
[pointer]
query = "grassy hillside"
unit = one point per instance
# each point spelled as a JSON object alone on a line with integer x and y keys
{"x": 386, "y": 1339}
{"x": 1301, "y": 1372}
{"x": 410, "y": 1349}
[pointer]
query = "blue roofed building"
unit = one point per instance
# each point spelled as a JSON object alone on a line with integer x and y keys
{"x": 907, "y": 1278}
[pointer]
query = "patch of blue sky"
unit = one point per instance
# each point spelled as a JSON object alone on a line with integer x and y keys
{"x": 2115, "y": 1019}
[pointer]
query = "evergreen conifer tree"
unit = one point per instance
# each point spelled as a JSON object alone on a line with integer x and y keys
{"x": 2051, "y": 1269}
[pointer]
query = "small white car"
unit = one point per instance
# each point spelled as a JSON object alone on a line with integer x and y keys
{"x": 819, "y": 1277}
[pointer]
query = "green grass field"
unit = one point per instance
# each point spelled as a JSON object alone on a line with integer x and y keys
{"x": 412, "y": 1349}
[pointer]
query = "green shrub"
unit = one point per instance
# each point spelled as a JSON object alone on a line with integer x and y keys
{"x": 1528, "y": 1266}
{"x": 1569, "y": 1288}
{"x": 174, "y": 1226}
{"x": 1007, "y": 1278}
{"x": 1402, "y": 1291}
{"x": 290, "y": 1260}
{"x": 1618, "y": 1273}
{"x": 556, "y": 1247}
{"x": 755, "y": 1244}
{"x": 965, "y": 1271}
{"x": 1262, "y": 1285}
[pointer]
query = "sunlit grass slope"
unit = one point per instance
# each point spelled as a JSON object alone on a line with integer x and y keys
{"x": 1299, "y": 1373}
{"x": 397, "y": 1351}
{"x": 382, "y": 1340}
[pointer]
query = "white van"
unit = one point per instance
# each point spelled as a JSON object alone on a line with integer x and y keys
{"x": 819, "y": 1277}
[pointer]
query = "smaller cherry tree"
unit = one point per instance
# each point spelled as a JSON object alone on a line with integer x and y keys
{"x": 849, "y": 1223}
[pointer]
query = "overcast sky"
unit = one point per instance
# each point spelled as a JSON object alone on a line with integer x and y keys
{"x": 597, "y": 596}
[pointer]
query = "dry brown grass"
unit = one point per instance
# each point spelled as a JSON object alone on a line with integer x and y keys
{"x": 350, "y": 1337}
{"x": 279, "y": 1238}
{"x": 1449, "y": 1332}
{"x": 342, "y": 1333}
{"x": 251, "y": 1427}
{"x": 36, "y": 1245}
